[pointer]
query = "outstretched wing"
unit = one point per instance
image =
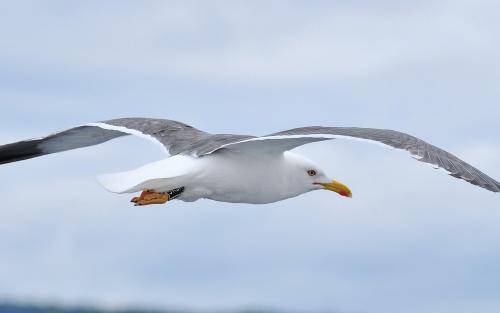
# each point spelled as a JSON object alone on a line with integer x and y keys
{"x": 174, "y": 137}
{"x": 419, "y": 149}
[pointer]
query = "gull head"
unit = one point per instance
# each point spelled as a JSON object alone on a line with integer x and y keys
{"x": 308, "y": 176}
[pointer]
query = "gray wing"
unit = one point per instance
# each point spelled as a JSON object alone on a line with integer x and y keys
{"x": 174, "y": 137}
{"x": 419, "y": 149}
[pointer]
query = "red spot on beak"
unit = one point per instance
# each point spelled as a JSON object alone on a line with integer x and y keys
{"x": 344, "y": 193}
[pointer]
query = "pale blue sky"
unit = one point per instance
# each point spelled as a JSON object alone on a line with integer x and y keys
{"x": 411, "y": 240}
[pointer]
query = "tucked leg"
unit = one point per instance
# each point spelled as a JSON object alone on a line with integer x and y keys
{"x": 143, "y": 195}
{"x": 151, "y": 197}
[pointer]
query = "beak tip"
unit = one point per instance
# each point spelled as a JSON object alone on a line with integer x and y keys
{"x": 347, "y": 195}
{"x": 339, "y": 188}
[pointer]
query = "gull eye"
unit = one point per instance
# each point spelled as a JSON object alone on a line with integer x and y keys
{"x": 312, "y": 173}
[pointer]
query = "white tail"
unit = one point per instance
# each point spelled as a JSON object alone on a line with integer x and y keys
{"x": 159, "y": 176}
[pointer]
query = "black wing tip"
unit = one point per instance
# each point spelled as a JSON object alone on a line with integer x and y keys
{"x": 20, "y": 151}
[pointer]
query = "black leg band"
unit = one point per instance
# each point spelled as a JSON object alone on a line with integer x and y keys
{"x": 174, "y": 193}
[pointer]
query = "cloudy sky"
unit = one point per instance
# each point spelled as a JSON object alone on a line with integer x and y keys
{"x": 411, "y": 240}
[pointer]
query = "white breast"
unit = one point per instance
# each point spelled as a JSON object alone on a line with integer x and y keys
{"x": 246, "y": 178}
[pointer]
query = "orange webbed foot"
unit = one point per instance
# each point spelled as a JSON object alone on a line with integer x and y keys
{"x": 148, "y": 197}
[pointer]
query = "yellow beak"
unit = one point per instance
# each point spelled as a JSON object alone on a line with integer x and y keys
{"x": 339, "y": 188}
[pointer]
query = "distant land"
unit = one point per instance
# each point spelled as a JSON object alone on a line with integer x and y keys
{"x": 31, "y": 308}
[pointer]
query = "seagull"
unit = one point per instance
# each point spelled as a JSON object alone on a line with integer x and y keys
{"x": 230, "y": 168}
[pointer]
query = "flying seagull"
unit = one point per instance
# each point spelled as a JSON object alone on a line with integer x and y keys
{"x": 230, "y": 168}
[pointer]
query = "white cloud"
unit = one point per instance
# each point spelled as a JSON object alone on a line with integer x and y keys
{"x": 282, "y": 42}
